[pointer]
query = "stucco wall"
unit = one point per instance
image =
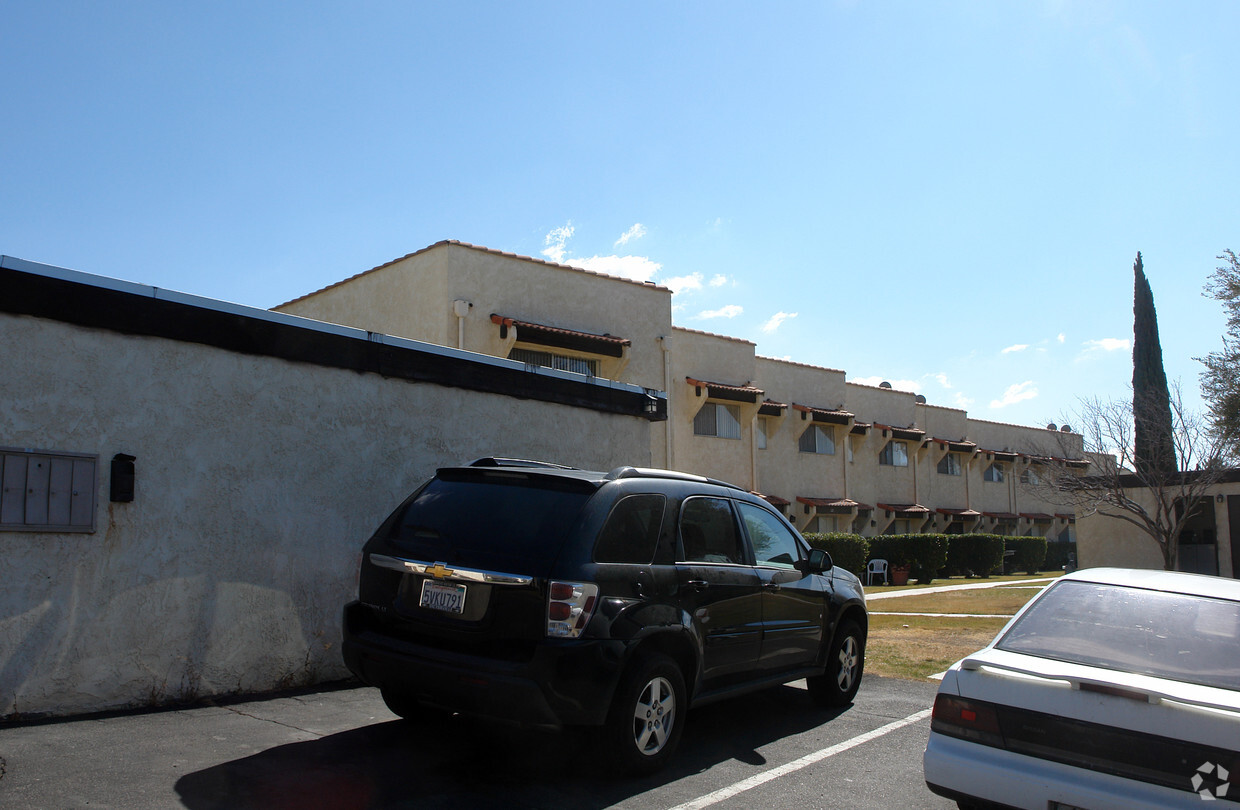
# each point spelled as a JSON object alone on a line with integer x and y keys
{"x": 258, "y": 480}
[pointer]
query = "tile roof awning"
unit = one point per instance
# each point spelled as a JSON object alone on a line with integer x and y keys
{"x": 905, "y": 509}
{"x": 835, "y": 417}
{"x": 770, "y": 408}
{"x": 1004, "y": 516}
{"x": 1003, "y": 455}
{"x": 735, "y": 393}
{"x": 557, "y": 338}
{"x": 909, "y": 433}
{"x": 960, "y": 513}
{"x": 833, "y": 506}
{"x": 1068, "y": 518}
{"x": 1038, "y": 517}
{"x": 860, "y": 428}
{"x": 773, "y": 500}
{"x": 961, "y": 446}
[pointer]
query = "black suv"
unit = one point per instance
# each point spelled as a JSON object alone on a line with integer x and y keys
{"x": 547, "y": 595}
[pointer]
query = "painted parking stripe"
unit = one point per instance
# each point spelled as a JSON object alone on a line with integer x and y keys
{"x": 946, "y": 615}
{"x": 797, "y": 764}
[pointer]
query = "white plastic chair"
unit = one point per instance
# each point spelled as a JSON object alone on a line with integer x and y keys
{"x": 876, "y": 567}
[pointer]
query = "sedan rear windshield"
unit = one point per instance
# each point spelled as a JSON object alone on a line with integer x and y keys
{"x": 491, "y": 516}
{"x": 1194, "y": 639}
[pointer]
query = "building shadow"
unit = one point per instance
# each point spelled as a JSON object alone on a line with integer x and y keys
{"x": 465, "y": 762}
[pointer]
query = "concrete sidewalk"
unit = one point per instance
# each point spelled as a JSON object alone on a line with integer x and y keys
{"x": 944, "y": 588}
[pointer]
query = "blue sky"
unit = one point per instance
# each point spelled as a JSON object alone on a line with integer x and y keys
{"x": 948, "y": 196}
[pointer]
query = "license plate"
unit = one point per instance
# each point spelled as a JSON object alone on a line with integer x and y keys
{"x": 450, "y": 598}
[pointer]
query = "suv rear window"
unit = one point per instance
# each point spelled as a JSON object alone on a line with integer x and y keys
{"x": 632, "y": 530}
{"x": 508, "y": 515}
{"x": 1195, "y": 639}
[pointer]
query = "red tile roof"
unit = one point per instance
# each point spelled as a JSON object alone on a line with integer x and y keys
{"x": 746, "y": 393}
{"x": 905, "y": 508}
{"x": 1002, "y": 515}
{"x": 964, "y": 513}
{"x": 902, "y": 433}
{"x": 503, "y": 320}
{"x": 835, "y": 416}
{"x": 774, "y": 500}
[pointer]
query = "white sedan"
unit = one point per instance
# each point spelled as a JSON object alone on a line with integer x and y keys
{"x": 1112, "y": 688}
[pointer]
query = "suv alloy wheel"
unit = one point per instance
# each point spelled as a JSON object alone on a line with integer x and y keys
{"x": 646, "y": 718}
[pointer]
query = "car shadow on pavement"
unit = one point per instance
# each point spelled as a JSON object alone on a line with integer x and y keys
{"x": 464, "y": 762}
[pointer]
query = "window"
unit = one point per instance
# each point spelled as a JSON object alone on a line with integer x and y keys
{"x": 1030, "y": 477}
{"x": 762, "y": 427}
{"x": 894, "y": 454}
{"x": 823, "y": 524}
{"x": 994, "y": 473}
{"x": 631, "y": 531}
{"x": 899, "y": 527}
{"x": 47, "y": 491}
{"x": 708, "y": 532}
{"x": 562, "y": 362}
{"x": 773, "y": 544}
{"x": 949, "y": 465}
{"x": 717, "y": 419}
{"x": 818, "y": 439}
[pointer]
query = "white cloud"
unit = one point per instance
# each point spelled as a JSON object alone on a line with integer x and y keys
{"x": 943, "y": 381}
{"x": 635, "y": 268}
{"x": 961, "y": 401}
{"x": 556, "y": 240}
{"x": 679, "y": 284}
{"x": 1015, "y": 393}
{"x": 636, "y": 232}
{"x": 1107, "y": 345}
{"x": 777, "y": 319}
{"x": 1062, "y": 337}
{"x": 1019, "y": 347}
{"x": 729, "y": 311}
{"x": 719, "y": 280}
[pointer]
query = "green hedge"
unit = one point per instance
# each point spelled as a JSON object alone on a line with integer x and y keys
{"x": 1057, "y": 555}
{"x": 848, "y": 551}
{"x": 974, "y": 554}
{"x": 925, "y": 554}
{"x": 1030, "y": 553}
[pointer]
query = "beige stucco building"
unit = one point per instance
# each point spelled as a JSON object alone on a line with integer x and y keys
{"x": 835, "y": 456}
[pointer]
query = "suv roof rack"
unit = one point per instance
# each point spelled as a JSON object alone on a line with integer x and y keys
{"x": 650, "y": 472}
{"x": 497, "y": 461}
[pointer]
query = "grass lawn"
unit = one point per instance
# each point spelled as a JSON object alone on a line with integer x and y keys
{"x": 916, "y": 647}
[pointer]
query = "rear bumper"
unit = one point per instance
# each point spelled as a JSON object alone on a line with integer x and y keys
{"x": 563, "y": 683}
{"x": 958, "y": 769}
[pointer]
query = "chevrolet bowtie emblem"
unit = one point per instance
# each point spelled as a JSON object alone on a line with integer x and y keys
{"x": 439, "y": 571}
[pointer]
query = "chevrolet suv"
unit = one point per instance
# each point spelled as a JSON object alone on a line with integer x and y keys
{"x": 546, "y": 595}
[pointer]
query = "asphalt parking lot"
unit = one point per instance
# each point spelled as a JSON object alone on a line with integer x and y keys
{"x": 342, "y": 749}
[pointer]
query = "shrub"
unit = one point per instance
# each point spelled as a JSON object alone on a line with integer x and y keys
{"x": 1057, "y": 555}
{"x": 974, "y": 554}
{"x": 848, "y": 551}
{"x": 924, "y": 554}
{"x": 1030, "y": 552}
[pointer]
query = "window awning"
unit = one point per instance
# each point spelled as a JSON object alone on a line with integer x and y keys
{"x": 770, "y": 408}
{"x": 1002, "y": 516}
{"x": 909, "y": 433}
{"x": 906, "y": 510}
{"x": 1067, "y": 518}
{"x": 773, "y": 500}
{"x": 860, "y": 428}
{"x": 833, "y": 506}
{"x": 735, "y": 393}
{"x": 956, "y": 446}
{"x": 1038, "y": 517}
{"x": 959, "y": 513}
{"x": 831, "y": 416}
{"x": 1003, "y": 455}
{"x": 558, "y": 338}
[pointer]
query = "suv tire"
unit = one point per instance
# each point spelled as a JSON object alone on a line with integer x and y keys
{"x": 647, "y": 716}
{"x": 845, "y": 660}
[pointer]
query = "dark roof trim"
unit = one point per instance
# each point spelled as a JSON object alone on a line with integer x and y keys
{"x": 733, "y": 393}
{"x": 834, "y": 417}
{"x": 39, "y": 290}
{"x": 557, "y": 338}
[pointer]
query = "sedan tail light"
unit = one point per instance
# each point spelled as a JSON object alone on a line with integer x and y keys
{"x": 569, "y": 607}
{"x": 972, "y": 720}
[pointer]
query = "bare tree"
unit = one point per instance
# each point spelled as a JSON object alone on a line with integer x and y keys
{"x": 1115, "y": 484}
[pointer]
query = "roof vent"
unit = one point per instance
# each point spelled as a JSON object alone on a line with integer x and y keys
{"x": 920, "y": 399}
{"x": 1065, "y": 429}
{"x": 884, "y": 384}
{"x": 1052, "y": 426}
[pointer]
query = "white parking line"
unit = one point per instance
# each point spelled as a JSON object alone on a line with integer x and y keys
{"x": 797, "y": 764}
{"x": 947, "y": 615}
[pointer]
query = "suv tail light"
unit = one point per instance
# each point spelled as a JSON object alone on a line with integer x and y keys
{"x": 569, "y": 607}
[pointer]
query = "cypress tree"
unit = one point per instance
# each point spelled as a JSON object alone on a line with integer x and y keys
{"x": 1153, "y": 449}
